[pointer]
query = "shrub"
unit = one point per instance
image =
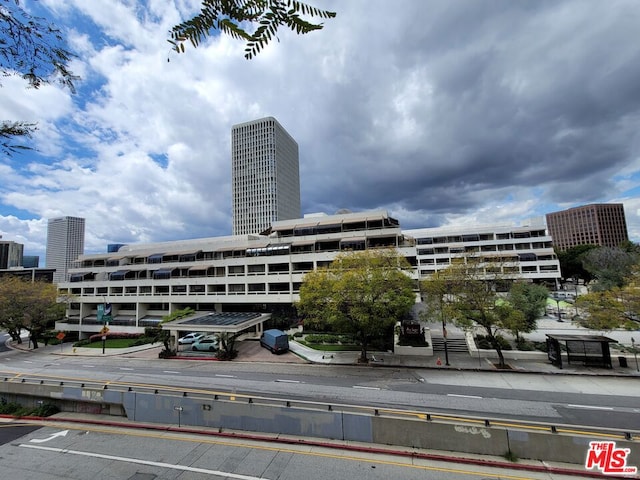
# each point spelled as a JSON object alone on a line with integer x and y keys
{"x": 17, "y": 410}
{"x": 484, "y": 343}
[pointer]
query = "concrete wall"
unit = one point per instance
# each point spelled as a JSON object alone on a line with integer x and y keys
{"x": 311, "y": 420}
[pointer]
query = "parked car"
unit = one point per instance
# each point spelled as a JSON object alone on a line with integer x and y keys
{"x": 203, "y": 344}
{"x": 190, "y": 338}
{"x": 275, "y": 340}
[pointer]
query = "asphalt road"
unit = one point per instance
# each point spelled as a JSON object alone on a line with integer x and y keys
{"x": 558, "y": 399}
{"x": 82, "y": 451}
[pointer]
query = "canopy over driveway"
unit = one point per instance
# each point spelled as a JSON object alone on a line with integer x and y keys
{"x": 217, "y": 322}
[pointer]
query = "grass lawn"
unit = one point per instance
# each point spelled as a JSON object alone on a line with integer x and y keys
{"x": 114, "y": 343}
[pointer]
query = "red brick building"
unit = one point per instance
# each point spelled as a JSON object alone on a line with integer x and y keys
{"x": 601, "y": 224}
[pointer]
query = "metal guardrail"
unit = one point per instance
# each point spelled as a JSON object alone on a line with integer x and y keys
{"x": 212, "y": 395}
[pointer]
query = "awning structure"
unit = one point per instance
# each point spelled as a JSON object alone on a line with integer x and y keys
{"x": 199, "y": 268}
{"x": 119, "y": 275}
{"x": 155, "y": 258}
{"x": 162, "y": 273}
{"x": 78, "y": 277}
{"x": 218, "y": 322}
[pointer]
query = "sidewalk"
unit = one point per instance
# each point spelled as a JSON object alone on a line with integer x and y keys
{"x": 457, "y": 361}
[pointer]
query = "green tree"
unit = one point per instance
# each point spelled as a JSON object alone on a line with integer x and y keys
{"x": 237, "y": 17}
{"x": 227, "y": 349}
{"x": 609, "y": 266}
{"x": 361, "y": 293}
{"x": 472, "y": 299}
{"x": 531, "y": 300}
{"x": 159, "y": 335}
{"x": 571, "y": 262}
{"x": 613, "y": 308}
{"x": 33, "y": 49}
{"x": 602, "y": 310}
{"x": 28, "y": 305}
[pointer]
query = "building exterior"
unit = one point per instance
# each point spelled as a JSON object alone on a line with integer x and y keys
{"x": 10, "y": 254}
{"x": 511, "y": 252}
{"x": 602, "y": 224}
{"x": 31, "y": 261}
{"x": 65, "y": 242}
{"x": 265, "y": 176}
{"x": 261, "y": 273}
{"x": 30, "y": 274}
{"x": 237, "y": 273}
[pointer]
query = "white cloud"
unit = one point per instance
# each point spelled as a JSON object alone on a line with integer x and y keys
{"x": 480, "y": 112}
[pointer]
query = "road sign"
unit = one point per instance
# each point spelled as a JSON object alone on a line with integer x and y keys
{"x": 104, "y": 330}
{"x": 60, "y": 336}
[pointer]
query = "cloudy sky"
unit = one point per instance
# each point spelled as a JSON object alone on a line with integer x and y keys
{"x": 444, "y": 112}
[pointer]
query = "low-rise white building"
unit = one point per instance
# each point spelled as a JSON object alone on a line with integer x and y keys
{"x": 513, "y": 252}
{"x": 142, "y": 283}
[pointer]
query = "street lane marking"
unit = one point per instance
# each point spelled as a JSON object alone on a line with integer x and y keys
{"x": 170, "y": 371}
{"x": 225, "y": 376}
{"x": 366, "y": 388}
{"x": 306, "y": 453}
{"x": 127, "y": 369}
{"x": 63, "y": 433}
{"x": 287, "y": 381}
{"x": 146, "y": 462}
{"x": 462, "y": 396}
{"x": 592, "y": 407}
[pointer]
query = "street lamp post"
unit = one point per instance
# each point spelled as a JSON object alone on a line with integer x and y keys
{"x": 635, "y": 353}
{"x": 444, "y": 334}
{"x": 557, "y": 299}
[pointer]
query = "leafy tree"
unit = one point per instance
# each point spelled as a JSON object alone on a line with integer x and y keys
{"x": 472, "y": 300}
{"x": 28, "y": 305}
{"x": 237, "y": 17}
{"x": 531, "y": 300}
{"x": 227, "y": 349}
{"x": 609, "y": 266}
{"x": 157, "y": 334}
{"x": 435, "y": 292}
{"x": 362, "y": 293}
{"x": 33, "y": 49}
{"x": 613, "y": 308}
{"x": 602, "y": 310}
{"x": 571, "y": 262}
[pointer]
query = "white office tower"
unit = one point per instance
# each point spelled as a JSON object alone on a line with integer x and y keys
{"x": 265, "y": 175}
{"x": 65, "y": 242}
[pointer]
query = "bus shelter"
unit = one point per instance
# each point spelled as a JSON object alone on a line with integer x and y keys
{"x": 590, "y": 350}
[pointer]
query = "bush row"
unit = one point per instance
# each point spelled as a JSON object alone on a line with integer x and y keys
{"x": 114, "y": 335}
{"x": 329, "y": 338}
{"x": 17, "y": 410}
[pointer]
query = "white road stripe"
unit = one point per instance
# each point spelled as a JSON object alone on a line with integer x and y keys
{"x": 366, "y": 388}
{"x": 593, "y": 407}
{"x": 288, "y": 381}
{"x": 225, "y": 376}
{"x": 125, "y": 368}
{"x": 462, "y": 396}
{"x": 170, "y": 371}
{"x": 146, "y": 462}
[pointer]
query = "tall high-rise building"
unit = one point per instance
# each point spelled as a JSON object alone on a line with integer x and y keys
{"x": 65, "y": 241}
{"x": 601, "y": 224}
{"x": 10, "y": 254}
{"x": 265, "y": 175}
